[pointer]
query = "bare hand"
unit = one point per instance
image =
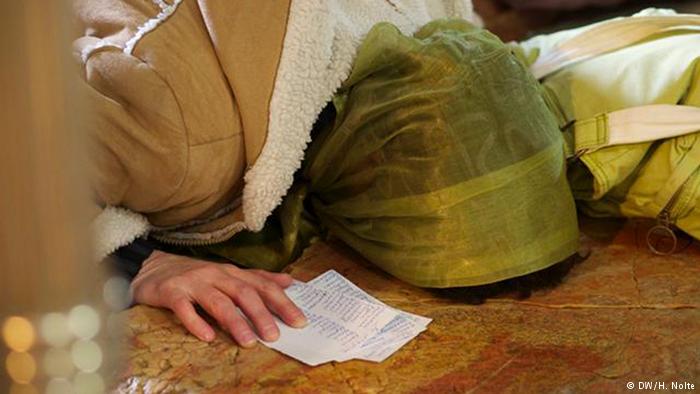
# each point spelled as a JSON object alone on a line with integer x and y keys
{"x": 177, "y": 282}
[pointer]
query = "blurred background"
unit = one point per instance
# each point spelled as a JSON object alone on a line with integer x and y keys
{"x": 58, "y": 310}
{"x": 519, "y": 19}
{"x": 53, "y": 310}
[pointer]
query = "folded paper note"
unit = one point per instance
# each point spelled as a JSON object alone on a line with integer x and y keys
{"x": 345, "y": 323}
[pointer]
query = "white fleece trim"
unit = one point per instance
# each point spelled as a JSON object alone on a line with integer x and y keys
{"x": 166, "y": 11}
{"x": 319, "y": 49}
{"x": 151, "y": 24}
{"x": 161, "y": 4}
{"x": 116, "y": 227}
{"x": 88, "y": 50}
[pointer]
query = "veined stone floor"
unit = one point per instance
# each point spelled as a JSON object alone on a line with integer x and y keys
{"x": 622, "y": 315}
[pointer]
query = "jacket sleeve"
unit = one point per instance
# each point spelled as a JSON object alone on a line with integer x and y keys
{"x": 166, "y": 142}
{"x": 127, "y": 260}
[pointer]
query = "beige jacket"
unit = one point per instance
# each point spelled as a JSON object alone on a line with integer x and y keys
{"x": 203, "y": 109}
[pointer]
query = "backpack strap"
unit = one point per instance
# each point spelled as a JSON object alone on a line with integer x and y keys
{"x": 644, "y": 124}
{"x": 634, "y": 125}
{"x": 611, "y": 36}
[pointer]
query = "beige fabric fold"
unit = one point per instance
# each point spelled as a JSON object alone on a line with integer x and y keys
{"x": 203, "y": 109}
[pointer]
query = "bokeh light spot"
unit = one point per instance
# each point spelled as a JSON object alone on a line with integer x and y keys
{"x": 23, "y": 389}
{"x": 21, "y": 367}
{"x": 18, "y": 333}
{"x": 59, "y": 386}
{"x": 54, "y": 329}
{"x": 116, "y": 293}
{"x": 86, "y": 355}
{"x": 58, "y": 363}
{"x": 88, "y": 383}
{"x": 84, "y": 322}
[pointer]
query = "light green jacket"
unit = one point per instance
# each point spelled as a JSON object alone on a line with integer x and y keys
{"x": 655, "y": 66}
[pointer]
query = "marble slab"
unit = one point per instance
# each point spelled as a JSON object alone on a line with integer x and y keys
{"x": 622, "y": 315}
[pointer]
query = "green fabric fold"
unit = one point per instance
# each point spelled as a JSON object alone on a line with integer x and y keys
{"x": 443, "y": 166}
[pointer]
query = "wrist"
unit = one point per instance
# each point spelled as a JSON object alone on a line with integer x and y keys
{"x": 129, "y": 259}
{"x": 155, "y": 256}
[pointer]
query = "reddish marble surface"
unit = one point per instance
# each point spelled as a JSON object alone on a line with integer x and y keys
{"x": 621, "y": 315}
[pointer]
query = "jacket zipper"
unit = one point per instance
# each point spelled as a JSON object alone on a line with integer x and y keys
{"x": 195, "y": 242}
{"x": 665, "y": 222}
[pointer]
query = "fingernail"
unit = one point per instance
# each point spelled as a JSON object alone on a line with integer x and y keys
{"x": 209, "y": 336}
{"x": 248, "y": 340}
{"x": 270, "y": 333}
{"x": 300, "y": 321}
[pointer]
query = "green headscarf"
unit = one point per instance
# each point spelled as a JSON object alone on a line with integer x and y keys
{"x": 444, "y": 166}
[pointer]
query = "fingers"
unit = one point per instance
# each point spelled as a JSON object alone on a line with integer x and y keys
{"x": 191, "y": 320}
{"x": 221, "y": 308}
{"x": 282, "y": 280}
{"x": 283, "y": 307}
{"x": 273, "y": 295}
{"x": 248, "y": 299}
{"x": 220, "y": 290}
